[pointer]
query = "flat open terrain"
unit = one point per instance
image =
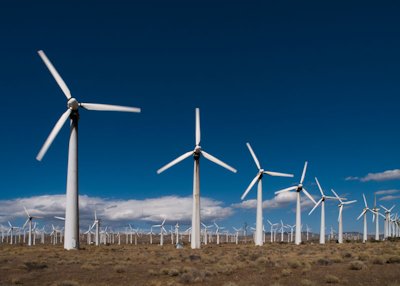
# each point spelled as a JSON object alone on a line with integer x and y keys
{"x": 226, "y": 264}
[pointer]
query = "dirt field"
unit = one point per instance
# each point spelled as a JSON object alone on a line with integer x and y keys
{"x": 226, "y": 264}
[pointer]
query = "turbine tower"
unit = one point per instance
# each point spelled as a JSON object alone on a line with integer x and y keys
{"x": 29, "y": 220}
{"x": 258, "y": 178}
{"x": 322, "y": 203}
{"x": 340, "y": 220}
{"x": 387, "y": 221}
{"x": 376, "y": 213}
{"x": 364, "y": 213}
{"x": 298, "y": 189}
{"x": 196, "y": 153}
{"x": 71, "y": 240}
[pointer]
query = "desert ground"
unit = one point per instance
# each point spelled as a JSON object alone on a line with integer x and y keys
{"x": 352, "y": 263}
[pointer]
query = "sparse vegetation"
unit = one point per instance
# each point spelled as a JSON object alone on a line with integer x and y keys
{"x": 331, "y": 279}
{"x": 226, "y": 265}
{"x": 357, "y": 265}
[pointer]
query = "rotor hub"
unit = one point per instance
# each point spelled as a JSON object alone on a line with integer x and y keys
{"x": 73, "y": 104}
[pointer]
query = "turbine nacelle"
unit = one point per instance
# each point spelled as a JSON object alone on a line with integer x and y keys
{"x": 73, "y": 104}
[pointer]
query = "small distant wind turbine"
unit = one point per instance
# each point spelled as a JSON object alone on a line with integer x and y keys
{"x": 71, "y": 240}
{"x": 196, "y": 153}
{"x": 29, "y": 220}
{"x": 322, "y": 203}
{"x": 377, "y": 214}
{"x": 11, "y": 231}
{"x": 364, "y": 213}
{"x": 217, "y": 231}
{"x": 340, "y": 220}
{"x": 298, "y": 189}
{"x": 96, "y": 223}
{"x": 258, "y": 178}
{"x": 162, "y": 231}
{"x": 387, "y": 230}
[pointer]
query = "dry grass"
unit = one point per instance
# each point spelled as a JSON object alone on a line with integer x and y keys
{"x": 224, "y": 265}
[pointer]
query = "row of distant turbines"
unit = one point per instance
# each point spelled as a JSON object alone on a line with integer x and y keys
{"x": 213, "y": 233}
{"x": 71, "y": 240}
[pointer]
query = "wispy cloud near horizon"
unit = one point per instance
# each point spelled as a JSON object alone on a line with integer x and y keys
{"x": 174, "y": 208}
{"x": 378, "y": 177}
{"x": 279, "y": 201}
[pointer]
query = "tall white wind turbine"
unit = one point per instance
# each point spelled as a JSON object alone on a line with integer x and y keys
{"x": 299, "y": 188}
{"x": 196, "y": 153}
{"x": 258, "y": 179}
{"x": 364, "y": 213}
{"x": 387, "y": 230}
{"x": 72, "y": 212}
{"x": 340, "y": 220}
{"x": 376, "y": 213}
{"x": 29, "y": 220}
{"x": 322, "y": 203}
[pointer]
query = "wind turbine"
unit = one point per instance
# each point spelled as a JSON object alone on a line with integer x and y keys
{"x": 377, "y": 214}
{"x": 162, "y": 230}
{"x": 97, "y": 224}
{"x": 322, "y": 203}
{"x": 340, "y": 220}
{"x": 71, "y": 240}
{"x": 364, "y": 213}
{"x": 387, "y": 220}
{"x": 217, "y": 231}
{"x": 258, "y": 178}
{"x": 272, "y": 229}
{"x": 196, "y": 153}
{"x": 11, "y": 231}
{"x": 298, "y": 189}
{"x": 29, "y": 220}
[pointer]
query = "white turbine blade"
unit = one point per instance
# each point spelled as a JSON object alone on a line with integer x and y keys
{"x": 269, "y": 221}
{"x": 362, "y": 213}
{"x": 198, "y": 133}
{"x": 336, "y": 195}
{"x": 95, "y": 215}
{"x": 53, "y": 134}
{"x": 163, "y": 221}
{"x": 92, "y": 226}
{"x": 319, "y": 186}
{"x": 316, "y": 205}
{"x": 26, "y": 211}
{"x": 55, "y": 74}
{"x": 217, "y": 161}
{"x": 286, "y": 190}
{"x": 60, "y": 218}
{"x": 392, "y": 208}
{"x": 384, "y": 208}
{"x": 25, "y": 223}
{"x": 253, "y": 155}
{"x": 9, "y": 223}
{"x": 250, "y": 186}
{"x": 304, "y": 172}
{"x": 176, "y": 161}
{"x": 332, "y": 198}
{"x": 109, "y": 107}
{"x": 373, "y": 216}
{"x": 349, "y": 202}
{"x": 276, "y": 174}
{"x": 340, "y": 211}
{"x": 365, "y": 201}
{"x": 381, "y": 215}
{"x": 309, "y": 196}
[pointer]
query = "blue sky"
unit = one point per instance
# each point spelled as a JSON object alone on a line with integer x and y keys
{"x": 311, "y": 81}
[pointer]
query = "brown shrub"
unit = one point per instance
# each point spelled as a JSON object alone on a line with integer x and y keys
{"x": 357, "y": 265}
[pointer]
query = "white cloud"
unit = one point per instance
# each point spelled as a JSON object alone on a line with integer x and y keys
{"x": 387, "y": 192}
{"x": 382, "y": 176}
{"x": 114, "y": 211}
{"x": 389, "y": 198}
{"x": 350, "y": 178}
{"x": 279, "y": 201}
